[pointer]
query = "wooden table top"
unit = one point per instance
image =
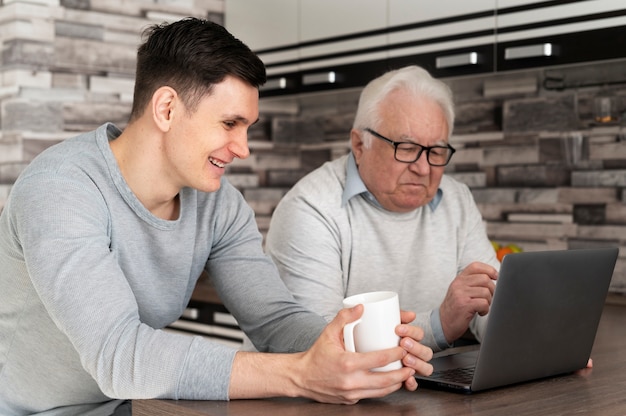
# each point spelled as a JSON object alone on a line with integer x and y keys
{"x": 597, "y": 391}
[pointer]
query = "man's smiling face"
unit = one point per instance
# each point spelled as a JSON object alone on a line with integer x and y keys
{"x": 201, "y": 144}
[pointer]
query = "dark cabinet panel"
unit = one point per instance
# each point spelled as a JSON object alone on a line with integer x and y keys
{"x": 592, "y": 45}
{"x": 528, "y": 35}
{"x": 454, "y": 62}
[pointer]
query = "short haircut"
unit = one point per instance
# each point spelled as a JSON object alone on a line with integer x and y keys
{"x": 412, "y": 79}
{"x": 190, "y": 56}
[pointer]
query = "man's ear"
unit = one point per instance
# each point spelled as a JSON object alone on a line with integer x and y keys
{"x": 164, "y": 101}
{"x": 356, "y": 139}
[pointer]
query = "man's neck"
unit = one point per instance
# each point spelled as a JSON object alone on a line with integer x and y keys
{"x": 139, "y": 157}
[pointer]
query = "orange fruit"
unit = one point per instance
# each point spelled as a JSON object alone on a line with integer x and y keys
{"x": 503, "y": 251}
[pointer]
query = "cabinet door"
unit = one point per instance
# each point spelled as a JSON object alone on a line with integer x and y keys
{"x": 530, "y": 33}
{"x": 426, "y": 26}
{"x": 262, "y": 24}
{"x": 447, "y": 37}
{"x": 518, "y": 19}
{"x": 337, "y": 32}
{"x": 268, "y": 27}
{"x": 500, "y": 4}
{"x": 402, "y": 12}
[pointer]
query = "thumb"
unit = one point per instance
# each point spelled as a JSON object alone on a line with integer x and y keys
{"x": 345, "y": 321}
{"x": 347, "y": 315}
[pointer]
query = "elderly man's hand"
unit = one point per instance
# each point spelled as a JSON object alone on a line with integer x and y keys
{"x": 470, "y": 293}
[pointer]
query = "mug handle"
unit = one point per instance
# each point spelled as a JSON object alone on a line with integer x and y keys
{"x": 348, "y": 335}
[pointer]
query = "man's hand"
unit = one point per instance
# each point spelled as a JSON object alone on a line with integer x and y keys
{"x": 332, "y": 375}
{"x": 469, "y": 293}
{"x": 418, "y": 354}
{"x": 327, "y": 372}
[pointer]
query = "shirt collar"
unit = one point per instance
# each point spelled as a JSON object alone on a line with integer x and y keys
{"x": 355, "y": 186}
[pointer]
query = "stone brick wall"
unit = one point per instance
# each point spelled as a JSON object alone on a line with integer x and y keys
{"x": 68, "y": 66}
{"x": 545, "y": 173}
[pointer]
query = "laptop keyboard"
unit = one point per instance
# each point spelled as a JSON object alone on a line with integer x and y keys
{"x": 456, "y": 375}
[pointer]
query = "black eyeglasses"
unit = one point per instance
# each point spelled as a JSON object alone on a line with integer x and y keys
{"x": 408, "y": 152}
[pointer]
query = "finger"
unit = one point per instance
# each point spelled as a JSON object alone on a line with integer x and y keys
{"x": 481, "y": 268}
{"x": 421, "y": 367}
{"x": 418, "y": 357}
{"x": 344, "y": 317}
{"x": 380, "y": 392}
{"x": 377, "y": 380}
{"x": 411, "y": 331}
{"x": 410, "y": 384}
{"x": 406, "y": 317}
{"x": 471, "y": 286}
{"x": 480, "y": 306}
{"x": 380, "y": 358}
{"x": 376, "y": 384}
{"x": 414, "y": 348}
{"x": 479, "y": 280}
{"x": 479, "y": 292}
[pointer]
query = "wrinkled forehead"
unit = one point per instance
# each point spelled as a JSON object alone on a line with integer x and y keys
{"x": 404, "y": 110}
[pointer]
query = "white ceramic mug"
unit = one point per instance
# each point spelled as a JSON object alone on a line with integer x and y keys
{"x": 376, "y": 329}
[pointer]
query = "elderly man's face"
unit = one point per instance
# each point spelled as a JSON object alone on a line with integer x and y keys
{"x": 402, "y": 187}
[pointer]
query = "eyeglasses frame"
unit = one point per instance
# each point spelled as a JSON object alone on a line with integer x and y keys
{"x": 422, "y": 148}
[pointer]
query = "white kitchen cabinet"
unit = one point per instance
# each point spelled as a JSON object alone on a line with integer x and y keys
{"x": 263, "y": 24}
{"x": 446, "y": 37}
{"x": 402, "y": 12}
{"x": 557, "y": 19}
{"x": 448, "y": 23}
{"x": 530, "y": 33}
{"x": 266, "y": 25}
{"x": 322, "y": 19}
{"x": 314, "y": 45}
{"x": 420, "y": 27}
{"x": 501, "y": 4}
{"x": 353, "y": 26}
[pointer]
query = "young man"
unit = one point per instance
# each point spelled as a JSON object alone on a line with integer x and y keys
{"x": 385, "y": 217}
{"x": 104, "y": 236}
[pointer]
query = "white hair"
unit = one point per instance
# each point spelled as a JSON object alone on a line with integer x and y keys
{"x": 413, "y": 79}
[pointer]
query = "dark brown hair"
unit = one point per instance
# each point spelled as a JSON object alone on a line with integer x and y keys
{"x": 191, "y": 55}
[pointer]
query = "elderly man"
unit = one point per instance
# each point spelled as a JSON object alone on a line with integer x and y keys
{"x": 385, "y": 217}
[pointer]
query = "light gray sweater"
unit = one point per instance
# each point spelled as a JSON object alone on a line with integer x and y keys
{"x": 326, "y": 251}
{"x": 89, "y": 277}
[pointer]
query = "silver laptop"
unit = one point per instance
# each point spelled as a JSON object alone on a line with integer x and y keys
{"x": 542, "y": 322}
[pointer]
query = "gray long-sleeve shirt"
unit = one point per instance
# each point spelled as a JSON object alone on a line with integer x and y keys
{"x": 88, "y": 276}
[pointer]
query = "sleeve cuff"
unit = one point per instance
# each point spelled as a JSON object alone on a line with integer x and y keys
{"x": 435, "y": 324}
